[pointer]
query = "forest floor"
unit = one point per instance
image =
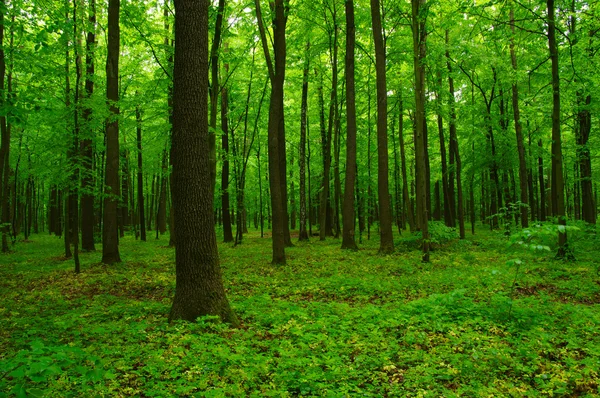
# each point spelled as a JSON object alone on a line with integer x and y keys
{"x": 331, "y": 323}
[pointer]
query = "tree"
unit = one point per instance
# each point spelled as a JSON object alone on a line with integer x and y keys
{"x": 386, "y": 244}
{"x": 276, "y": 132}
{"x": 419, "y": 51}
{"x": 4, "y": 143}
{"x": 199, "y": 287}
{"x": 110, "y": 237}
{"x": 303, "y": 233}
{"x": 348, "y": 241}
{"x": 558, "y": 185}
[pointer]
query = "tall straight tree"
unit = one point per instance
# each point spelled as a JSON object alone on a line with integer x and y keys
{"x": 276, "y": 132}
{"x": 5, "y": 141}
{"x": 419, "y": 51}
{"x": 225, "y": 208}
{"x": 110, "y": 233}
{"x": 519, "y": 129}
{"x": 557, "y": 182}
{"x": 199, "y": 287}
{"x": 386, "y": 244}
{"x": 214, "y": 90}
{"x": 87, "y": 151}
{"x": 303, "y": 233}
{"x": 348, "y": 240}
{"x": 140, "y": 174}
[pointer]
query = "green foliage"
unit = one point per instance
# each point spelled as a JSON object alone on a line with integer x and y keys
{"x": 329, "y": 323}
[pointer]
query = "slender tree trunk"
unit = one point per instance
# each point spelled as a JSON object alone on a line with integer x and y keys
{"x": 110, "y": 237}
{"x": 386, "y": 245}
{"x": 87, "y": 183}
{"x": 454, "y": 149}
{"x": 140, "y": 174}
{"x": 558, "y": 189}
{"x": 542, "y": 182}
{"x": 419, "y": 50}
{"x": 199, "y": 287}
{"x": 225, "y": 208}
{"x": 408, "y": 206}
{"x": 214, "y": 90}
{"x": 303, "y": 234}
{"x": 276, "y": 124}
{"x": 519, "y": 130}
{"x": 5, "y": 142}
{"x": 348, "y": 238}
{"x": 74, "y": 199}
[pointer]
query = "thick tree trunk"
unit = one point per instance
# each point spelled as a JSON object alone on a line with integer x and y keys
{"x": 348, "y": 239}
{"x": 386, "y": 244}
{"x": 110, "y": 237}
{"x": 199, "y": 288}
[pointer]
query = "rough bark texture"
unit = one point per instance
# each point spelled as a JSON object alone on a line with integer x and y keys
{"x": 386, "y": 244}
{"x": 419, "y": 50}
{"x": 199, "y": 288}
{"x": 110, "y": 237}
{"x": 348, "y": 239}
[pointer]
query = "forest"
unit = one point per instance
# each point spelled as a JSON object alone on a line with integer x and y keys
{"x": 328, "y": 198}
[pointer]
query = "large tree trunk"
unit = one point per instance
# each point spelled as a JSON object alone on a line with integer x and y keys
{"x": 110, "y": 237}
{"x": 419, "y": 50}
{"x": 199, "y": 287}
{"x": 348, "y": 239}
{"x": 386, "y": 244}
{"x": 558, "y": 189}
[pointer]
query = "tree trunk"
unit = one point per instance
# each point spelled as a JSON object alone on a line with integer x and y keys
{"x": 558, "y": 189}
{"x": 110, "y": 237}
{"x": 214, "y": 90}
{"x": 386, "y": 244}
{"x": 5, "y": 142}
{"x": 87, "y": 152}
{"x": 408, "y": 206}
{"x": 199, "y": 287}
{"x": 419, "y": 51}
{"x": 140, "y": 174}
{"x": 348, "y": 238}
{"x": 276, "y": 124}
{"x": 303, "y": 234}
{"x": 225, "y": 208}
{"x": 519, "y": 130}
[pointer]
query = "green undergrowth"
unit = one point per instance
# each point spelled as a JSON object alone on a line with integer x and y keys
{"x": 330, "y": 323}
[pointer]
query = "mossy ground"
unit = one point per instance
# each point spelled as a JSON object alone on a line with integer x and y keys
{"x": 330, "y": 323}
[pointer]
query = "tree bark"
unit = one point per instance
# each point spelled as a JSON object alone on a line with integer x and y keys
{"x": 419, "y": 51}
{"x": 348, "y": 216}
{"x": 303, "y": 233}
{"x": 110, "y": 237}
{"x": 519, "y": 130}
{"x": 386, "y": 244}
{"x": 199, "y": 287}
{"x": 558, "y": 189}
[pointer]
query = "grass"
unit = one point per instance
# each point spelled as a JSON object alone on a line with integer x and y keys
{"x": 330, "y": 323}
